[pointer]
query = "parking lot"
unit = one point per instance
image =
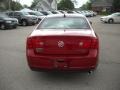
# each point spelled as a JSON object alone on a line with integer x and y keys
{"x": 16, "y": 75}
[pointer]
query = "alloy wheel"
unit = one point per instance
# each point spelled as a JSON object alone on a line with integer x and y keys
{"x": 2, "y": 27}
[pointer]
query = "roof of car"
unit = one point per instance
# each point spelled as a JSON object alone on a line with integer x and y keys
{"x": 64, "y": 15}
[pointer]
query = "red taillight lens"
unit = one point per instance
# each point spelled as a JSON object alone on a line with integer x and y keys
{"x": 94, "y": 43}
{"x": 85, "y": 44}
{"x": 29, "y": 43}
{"x": 34, "y": 42}
{"x": 37, "y": 42}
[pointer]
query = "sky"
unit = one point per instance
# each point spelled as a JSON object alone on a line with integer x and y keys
{"x": 80, "y": 3}
{"x": 28, "y": 2}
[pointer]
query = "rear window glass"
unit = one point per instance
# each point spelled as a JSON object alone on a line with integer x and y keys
{"x": 64, "y": 23}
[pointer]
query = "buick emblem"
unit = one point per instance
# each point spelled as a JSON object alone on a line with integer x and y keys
{"x": 81, "y": 43}
{"x": 60, "y": 44}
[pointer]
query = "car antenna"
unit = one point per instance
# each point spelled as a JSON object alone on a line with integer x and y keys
{"x": 64, "y": 17}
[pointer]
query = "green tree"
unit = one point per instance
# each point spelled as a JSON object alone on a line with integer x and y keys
{"x": 65, "y": 5}
{"x": 34, "y": 3}
{"x": 116, "y": 5}
{"x": 25, "y": 6}
{"x": 3, "y": 1}
{"x": 10, "y": 5}
{"x": 3, "y": 4}
{"x": 87, "y": 6}
{"x": 16, "y": 6}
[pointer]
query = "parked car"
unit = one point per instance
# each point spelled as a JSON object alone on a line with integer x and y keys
{"x": 88, "y": 14}
{"x": 7, "y": 22}
{"x": 113, "y": 18}
{"x": 46, "y": 12}
{"x": 79, "y": 12}
{"x": 83, "y": 13}
{"x": 56, "y": 12}
{"x": 63, "y": 12}
{"x": 71, "y": 12}
{"x": 94, "y": 13}
{"x": 63, "y": 42}
{"x": 39, "y": 15}
{"x": 24, "y": 18}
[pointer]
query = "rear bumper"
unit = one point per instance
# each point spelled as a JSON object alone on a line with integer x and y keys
{"x": 62, "y": 63}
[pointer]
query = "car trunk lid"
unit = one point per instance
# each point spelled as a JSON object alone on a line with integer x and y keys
{"x": 62, "y": 43}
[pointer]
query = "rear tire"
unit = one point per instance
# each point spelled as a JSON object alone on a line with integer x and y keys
{"x": 24, "y": 23}
{"x": 3, "y": 26}
{"x": 110, "y": 21}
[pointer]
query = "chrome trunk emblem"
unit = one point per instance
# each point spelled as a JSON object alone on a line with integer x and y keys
{"x": 60, "y": 44}
{"x": 81, "y": 43}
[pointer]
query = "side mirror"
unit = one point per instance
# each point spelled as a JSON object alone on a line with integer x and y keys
{"x": 90, "y": 22}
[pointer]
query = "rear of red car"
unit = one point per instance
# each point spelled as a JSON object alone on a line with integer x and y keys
{"x": 65, "y": 49}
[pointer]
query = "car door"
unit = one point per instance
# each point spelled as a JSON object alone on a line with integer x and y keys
{"x": 18, "y": 16}
{"x": 117, "y": 18}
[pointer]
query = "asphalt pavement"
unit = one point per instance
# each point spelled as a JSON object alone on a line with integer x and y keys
{"x": 16, "y": 75}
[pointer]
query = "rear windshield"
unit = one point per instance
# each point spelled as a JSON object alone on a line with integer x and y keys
{"x": 64, "y": 23}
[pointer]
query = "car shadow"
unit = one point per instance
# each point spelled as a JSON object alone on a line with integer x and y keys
{"x": 65, "y": 77}
{"x": 109, "y": 23}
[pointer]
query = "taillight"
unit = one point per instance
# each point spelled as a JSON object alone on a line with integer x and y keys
{"x": 29, "y": 43}
{"x": 37, "y": 42}
{"x": 84, "y": 43}
{"x": 94, "y": 43}
{"x": 87, "y": 44}
{"x": 34, "y": 42}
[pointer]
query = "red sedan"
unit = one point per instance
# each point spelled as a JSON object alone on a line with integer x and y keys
{"x": 63, "y": 42}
